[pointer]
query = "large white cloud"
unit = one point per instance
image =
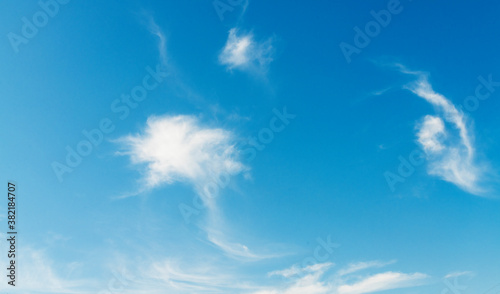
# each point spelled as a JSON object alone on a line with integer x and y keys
{"x": 180, "y": 149}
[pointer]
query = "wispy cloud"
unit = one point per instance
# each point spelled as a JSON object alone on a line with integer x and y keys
{"x": 383, "y": 281}
{"x": 359, "y": 266}
{"x": 157, "y": 275}
{"x": 195, "y": 278}
{"x": 154, "y": 28}
{"x": 233, "y": 249}
{"x": 243, "y": 52}
{"x": 447, "y": 140}
{"x": 295, "y": 270}
{"x": 175, "y": 79}
{"x": 310, "y": 283}
{"x": 147, "y": 20}
{"x": 318, "y": 281}
{"x": 38, "y": 275}
{"x": 458, "y": 274}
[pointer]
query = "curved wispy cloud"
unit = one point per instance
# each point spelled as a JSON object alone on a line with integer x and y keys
{"x": 155, "y": 29}
{"x": 447, "y": 140}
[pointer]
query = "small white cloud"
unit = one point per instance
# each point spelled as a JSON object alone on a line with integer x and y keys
{"x": 359, "y": 266}
{"x": 235, "y": 250}
{"x": 310, "y": 283}
{"x": 296, "y": 270}
{"x": 458, "y": 274}
{"x": 383, "y": 281}
{"x": 429, "y": 133}
{"x": 243, "y": 52}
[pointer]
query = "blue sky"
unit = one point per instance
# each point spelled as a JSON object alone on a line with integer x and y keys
{"x": 241, "y": 146}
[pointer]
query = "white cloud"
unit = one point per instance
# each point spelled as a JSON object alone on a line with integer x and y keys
{"x": 198, "y": 279}
{"x": 316, "y": 280}
{"x": 447, "y": 141}
{"x": 383, "y": 281}
{"x": 423, "y": 89}
{"x": 310, "y": 283}
{"x": 233, "y": 249}
{"x": 160, "y": 275}
{"x": 243, "y": 52}
{"x": 295, "y": 270}
{"x": 176, "y": 276}
{"x": 429, "y": 133}
{"x": 458, "y": 274}
{"x": 180, "y": 149}
{"x": 358, "y": 266}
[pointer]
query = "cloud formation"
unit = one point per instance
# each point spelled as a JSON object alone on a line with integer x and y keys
{"x": 244, "y": 53}
{"x": 180, "y": 149}
{"x": 447, "y": 140}
{"x": 383, "y": 281}
{"x": 317, "y": 281}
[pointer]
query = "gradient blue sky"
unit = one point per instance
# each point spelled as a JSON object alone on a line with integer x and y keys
{"x": 118, "y": 220}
